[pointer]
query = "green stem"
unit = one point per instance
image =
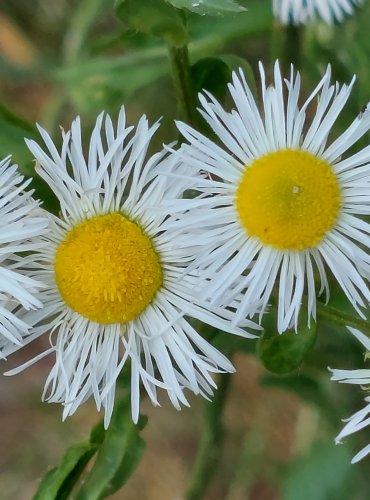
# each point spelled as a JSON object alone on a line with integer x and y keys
{"x": 182, "y": 82}
{"x": 292, "y": 50}
{"x": 342, "y": 318}
{"x": 210, "y": 448}
{"x": 276, "y": 42}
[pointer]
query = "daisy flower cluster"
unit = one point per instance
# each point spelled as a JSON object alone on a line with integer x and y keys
{"x": 121, "y": 277}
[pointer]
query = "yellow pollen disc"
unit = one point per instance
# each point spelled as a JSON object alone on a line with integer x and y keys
{"x": 288, "y": 199}
{"x": 107, "y": 270}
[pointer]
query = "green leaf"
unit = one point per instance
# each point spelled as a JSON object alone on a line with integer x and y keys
{"x": 154, "y": 17}
{"x": 59, "y": 481}
{"x": 13, "y": 129}
{"x": 209, "y": 7}
{"x": 118, "y": 455}
{"x": 284, "y": 353}
{"x": 211, "y": 74}
{"x": 235, "y": 63}
{"x": 120, "y": 449}
{"x": 326, "y": 474}
{"x": 210, "y": 37}
{"x": 214, "y": 73}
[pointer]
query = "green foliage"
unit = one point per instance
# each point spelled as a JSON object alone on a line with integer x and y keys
{"x": 286, "y": 352}
{"x": 118, "y": 456}
{"x": 326, "y": 474}
{"x": 13, "y": 130}
{"x": 119, "y": 450}
{"x": 210, "y": 74}
{"x": 59, "y": 481}
{"x": 80, "y": 24}
{"x": 214, "y": 73}
{"x": 103, "y": 83}
{"x": 235, "y": 63}
{"x": 209, "y": 7}
{"x": 153, "y": 17}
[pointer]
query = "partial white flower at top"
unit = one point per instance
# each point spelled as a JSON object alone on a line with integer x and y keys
{"x": 303, "y": 11}
{"x": 360, "y": 419}
{"x": 21, "y": 221}
{"x": 280, "y": 205}
{"x": 116, "y": 282}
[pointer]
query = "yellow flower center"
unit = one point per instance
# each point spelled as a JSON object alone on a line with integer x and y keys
{"x": 107, "y": 270}
{"x": 288, "y": 199}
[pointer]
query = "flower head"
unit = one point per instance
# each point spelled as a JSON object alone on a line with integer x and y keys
{"x": 115, "y": 282}
{"x": 302, "y": 11}
{"x": 360, "y": 419}
{"x": 280, "y": 206}
{"x": 20, "y": 223}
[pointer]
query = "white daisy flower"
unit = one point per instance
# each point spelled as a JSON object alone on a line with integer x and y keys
{"x": 303, "y": 11}
{"x": 116, "y": 286}
{"x": 280, "y": 206}
{"x": 360, "y": 419}
{"x": 20, "y": 223}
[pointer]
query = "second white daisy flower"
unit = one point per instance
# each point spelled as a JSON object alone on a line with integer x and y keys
{"x": 280, "y": 206}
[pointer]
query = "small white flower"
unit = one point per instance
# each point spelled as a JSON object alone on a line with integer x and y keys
{"x": 279, "y": 206}
{"x": 360, "y": 419}
{"x": 20, "y": 223}
{"x": 116, "y": 282}
{"x": 303, "y": 11}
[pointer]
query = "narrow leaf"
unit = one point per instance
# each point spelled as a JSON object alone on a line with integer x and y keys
{"x": 214, "y": 73}
{"x": 209, "y": 7}
{"x": 59, "y": 481}
{"x": 235, "y": 63}
{"x": 211, "y": 74}
{"x": 118, "y": 456}
{"x": 284, "y": 353}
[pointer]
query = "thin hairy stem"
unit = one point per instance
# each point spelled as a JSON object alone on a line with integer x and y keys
{"x": 342, "y": 318}
{"x": 181, "y": 76}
